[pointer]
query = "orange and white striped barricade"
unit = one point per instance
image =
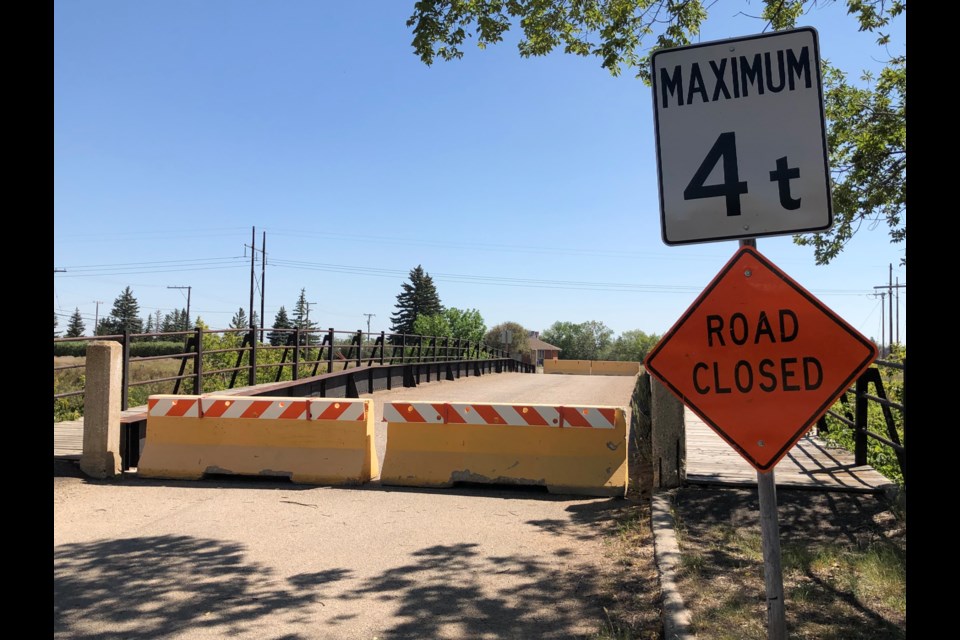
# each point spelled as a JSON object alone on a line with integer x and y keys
{"x": 309, "y": 440}
{"x": 572, "y": 450}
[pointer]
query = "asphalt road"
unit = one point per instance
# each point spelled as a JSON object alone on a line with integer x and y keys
{"x": 253, "y": 558}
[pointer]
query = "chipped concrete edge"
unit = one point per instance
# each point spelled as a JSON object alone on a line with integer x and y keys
{"x": 676, "y": 618}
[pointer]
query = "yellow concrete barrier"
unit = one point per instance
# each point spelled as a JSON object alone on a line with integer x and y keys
{"x": 614, "y": 368}
{"x": 577, "y": 450}
{"x": 581, "y": 367}
{"x": 309, "y": 440}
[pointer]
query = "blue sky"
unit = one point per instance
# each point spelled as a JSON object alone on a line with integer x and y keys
{"x": 526, "y": 187}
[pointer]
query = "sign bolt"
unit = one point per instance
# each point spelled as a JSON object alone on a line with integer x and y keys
{"x": 748, "y": 273}
{"x": 760, "y": 443}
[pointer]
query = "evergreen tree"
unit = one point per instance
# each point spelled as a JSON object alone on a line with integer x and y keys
{"x": 417, "y": 297}
{"x": 56, "y": 323}
{"x": 239, "y": 320}
{"x": 175, "y": 321}
{"x": 125, "y": 315}
{"x": 75, "y": 328}
{"x": 280, "y": 321}
{"x": 301, "y": 317}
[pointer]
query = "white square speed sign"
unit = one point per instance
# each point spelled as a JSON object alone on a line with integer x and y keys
{"x": 741, "y": 138}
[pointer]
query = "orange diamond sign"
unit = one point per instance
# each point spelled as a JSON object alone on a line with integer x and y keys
{"x": 759, "y": 358}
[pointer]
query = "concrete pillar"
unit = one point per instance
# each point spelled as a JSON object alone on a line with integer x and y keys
{"x": 101, "y": 410}
{"x": 639, "y": 442}
{"x": 669, "y": 456}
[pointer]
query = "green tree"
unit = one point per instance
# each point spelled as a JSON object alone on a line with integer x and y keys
{"x": 466, "y": 324}
{"x": 433, "y": 325}
{"x": 125, "y": 315}
{"x": 868, "y": 157}
{"x": 589, "y": 340}
{"x": 417, "y": 297}
{"x": 632, "y": 346}
{"x": 56, "y": 323}
{"x": 866, "y": 125}
{"x": 511, "y": 336}
{"x": 239, "y": 320}
{"x": 462, "y": 324}
{"x": 75, "y": 327}
{"x": 280, "y": 321}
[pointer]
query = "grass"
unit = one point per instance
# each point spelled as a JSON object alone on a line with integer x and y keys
{"x": 630, "y": 593}
{"x": 843, "y": 559}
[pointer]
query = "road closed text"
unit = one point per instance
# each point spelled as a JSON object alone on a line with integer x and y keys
{"x": 767, "y": 374}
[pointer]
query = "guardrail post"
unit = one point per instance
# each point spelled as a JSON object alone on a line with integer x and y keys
{"x": 359, "y": 347}
{"x": 198, "y": 362}
{"x": 125, "y": 374}
{"x": 102, "y": 398}
{"x": 330, "y": 350}
{"x": 383, "y": 344}
{"x": 903, "y": 417}
{"x": 253, "y": 355}
{"x": 296, "y": 353}
{"x": 860, "y": 422}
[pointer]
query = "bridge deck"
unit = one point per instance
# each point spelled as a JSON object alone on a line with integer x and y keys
{"x": 810, "y": 464}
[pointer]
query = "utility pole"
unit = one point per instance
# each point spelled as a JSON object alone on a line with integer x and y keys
{"x": 898, "y": 310}
{"x": 253, "y": 255}
{"x": 307, "y": 321}
{"x": 369, "y": 315}
{"x": 188, "y": 304}
{"x": 882, "y": 295}
{"x": 890, "y": 301}
{"x": 263, "y": 282}
{"x": 55, "y": 270}
{"x": 890, "y": 288}
{"x": 96, "y": 316}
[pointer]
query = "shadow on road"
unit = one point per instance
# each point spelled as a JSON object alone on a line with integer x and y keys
{"x": 167, "y": 585}
{"x": 442, "y": 592}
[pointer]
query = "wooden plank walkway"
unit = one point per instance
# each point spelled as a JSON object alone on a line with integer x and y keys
{"x": 811, "y": 464}
{"x": 68, "y": 436}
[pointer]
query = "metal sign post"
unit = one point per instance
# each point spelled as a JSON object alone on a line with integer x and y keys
{"x": 770, "y": 539}
{"x": 772, "y": 569}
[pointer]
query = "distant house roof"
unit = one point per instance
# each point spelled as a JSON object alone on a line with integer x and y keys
{"x": 536, "y": 343}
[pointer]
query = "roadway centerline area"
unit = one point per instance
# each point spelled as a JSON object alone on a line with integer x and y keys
{"x": 245, "y": 558}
